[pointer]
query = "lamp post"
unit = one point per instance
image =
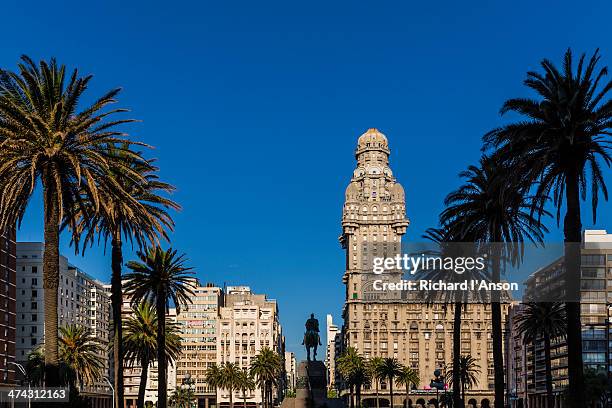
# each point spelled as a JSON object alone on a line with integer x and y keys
{"x": 112, "y": 389}
{"x": 25, "y": 377}
{"x": 438, "y": 383}
{"x": 188, "y": 381}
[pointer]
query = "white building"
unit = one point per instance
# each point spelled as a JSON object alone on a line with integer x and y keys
{"x": 330, "y": 352}
{"x": 72, "y": 297}
{"x": 290, "y": 370}
{"x": 81, "y": 300}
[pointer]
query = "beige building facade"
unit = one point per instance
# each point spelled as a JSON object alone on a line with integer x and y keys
{"x": 198, "y": 330}
{"x": 248, "y": 323}
{"x": 419, "y": 335}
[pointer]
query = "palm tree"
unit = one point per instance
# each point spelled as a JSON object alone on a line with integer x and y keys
{"x": 560, "y": 144}
{"x": 546, "y": 321}
{"x": 246, "y": 383}
{"x": 115, "y": 218}
{"x": 374, "y": 366}
{"x": 391, "y": 369}
{"x": 492, "y": 207}
{"x": 44, "y": 137}
{"x": 449, "y": 238}
{"x": 82, "y": 354}
{"x": 407, "y": 378}
{"x": 160, "y": 277}
{"x": 213, "y": 379}
{"x": 266, "y": 368}
{"x": 140, "y": 342}
{"x": 35, "y": 367}
{"x": 468, "y": 373}
{"x": 352, "y": 367}
{"x": 230, "y": 375}
{"x": 181, "y": 398}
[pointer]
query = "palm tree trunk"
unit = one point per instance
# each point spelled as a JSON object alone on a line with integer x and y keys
{"x": 352, "y": 403}
{"x": 116, "y": 303}
{"x": 496, "y": 322}
{"x": 572, "y": 228}
{"x": 143, "y": 383}
{"x": 162, "y": 383}
{"x": 231, "y": 397}
{"x": 407, "y": 390}
{"x": 549, "y": 383}
{"x": 270, "y": 395}
{"x": 457, "y": 400}
{"x": 264, "y": 402}
{"x": 391, "y": 391}
{"x": 51, "y": 281}
{"x": 244, "y": 397}
{"x": 358, "y": 394}
{"x": 377, "y": 399}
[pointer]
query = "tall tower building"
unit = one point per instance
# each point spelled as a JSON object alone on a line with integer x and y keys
{"x": 374, "y": 217}
{"x": 388, "y": 324}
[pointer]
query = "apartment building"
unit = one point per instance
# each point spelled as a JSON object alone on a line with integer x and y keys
{"x": 248, "y": 322}
{"x": 529, "y": 381}
{"x": 198, "y": 325}
{"x": 7, "y": 306}
{"x": 331, "y": 343}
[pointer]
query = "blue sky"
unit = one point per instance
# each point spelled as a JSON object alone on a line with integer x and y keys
{"x": 255, "y": 108}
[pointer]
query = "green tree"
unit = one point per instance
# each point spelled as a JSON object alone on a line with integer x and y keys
{"x": 45, "y": 137}
{"x": 82, "y": 354}
{"x": 494, "y": 208}
{"x": 229, "y": 379}
{"x": 408, "y": 377}
{"x": 390, "y": 370}
{"x": 468, "y": 372}
{"x": 35, "y": 367}
{"x": 543, "y": 321}
{"x": 213, "y": 379}
{"x": 140, "y": 342}
{"x": 560, "y": 143}
{"x": 246, "y": 383}
{"x": 181, "y": 398}
{"x": 266, "y": 368}
{"x": 598, "y": 388}
{"x": 160, "y": 277}
{"x": 138, "y": 218}
{"x": 450, "y": 239}
{"x": 352, "y": 366}
{"x": 374, "y": 365}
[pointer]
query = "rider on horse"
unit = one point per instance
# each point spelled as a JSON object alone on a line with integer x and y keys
{"x": 311, "y": 337}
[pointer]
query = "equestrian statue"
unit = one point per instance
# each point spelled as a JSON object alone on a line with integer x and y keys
{"x": 311, "y": 338}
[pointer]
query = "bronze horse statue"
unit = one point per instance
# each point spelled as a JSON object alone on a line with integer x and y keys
{"x": 311, "y": 338}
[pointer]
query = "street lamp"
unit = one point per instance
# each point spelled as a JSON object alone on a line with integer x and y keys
{"x": 188, "y": 381}
{"x": 25, "y": 376}
{"x": 438, "y": 383}
{"x": 112, "y": 389}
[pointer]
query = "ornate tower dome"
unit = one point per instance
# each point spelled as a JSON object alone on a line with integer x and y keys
{"x": 372, "y": 140}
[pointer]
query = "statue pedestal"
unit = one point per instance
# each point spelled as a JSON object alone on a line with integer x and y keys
{"x": 311, "y": 387}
